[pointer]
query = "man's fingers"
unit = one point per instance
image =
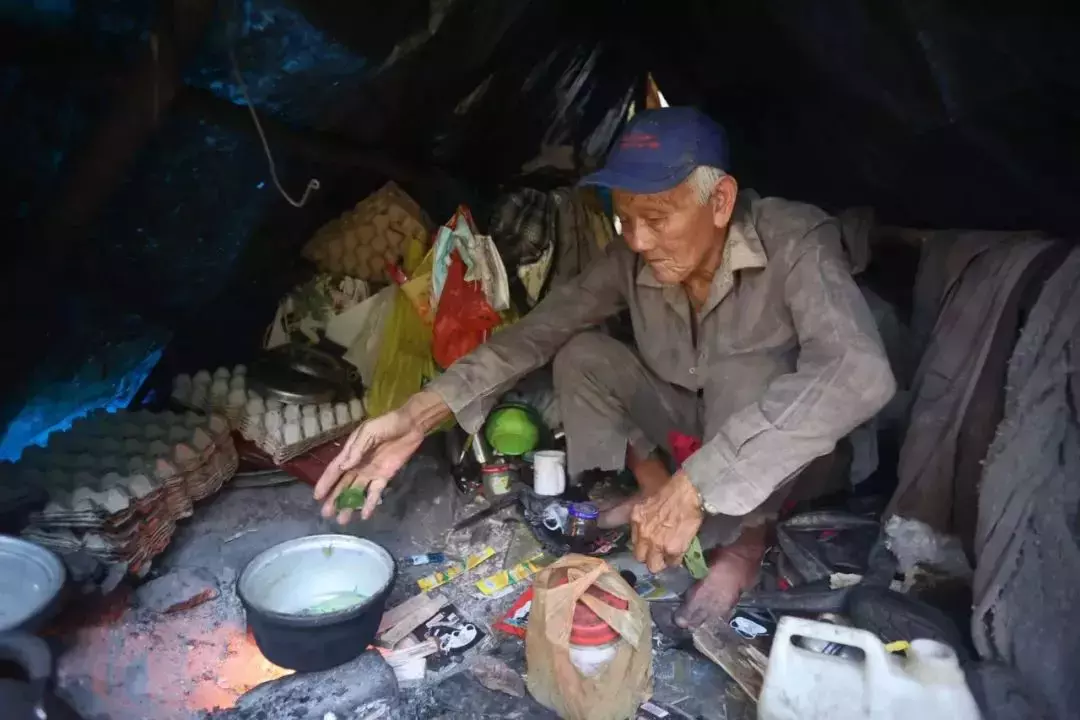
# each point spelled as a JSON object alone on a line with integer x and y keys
{"x": 678, "y": 544}
{"x": 345, "y": 516}
{"x": 347, "y": 479}
{"x": 655, "y": 561}
{"x": 345, "y": 460}
{"x": 330, "y": 475}
{"x": 374, "y": 493}
{"x": 636, "y": 541}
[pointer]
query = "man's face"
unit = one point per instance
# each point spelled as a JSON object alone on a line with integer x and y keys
{"x": 672, "y": 230}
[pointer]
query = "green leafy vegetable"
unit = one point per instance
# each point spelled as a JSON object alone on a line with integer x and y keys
{"x": 695, "y": 561}
{"x": 351, "y": 499}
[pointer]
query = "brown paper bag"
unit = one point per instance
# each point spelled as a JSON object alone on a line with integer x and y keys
{"x": 617, "y": 691}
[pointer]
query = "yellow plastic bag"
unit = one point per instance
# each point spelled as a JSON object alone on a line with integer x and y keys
{"x": 418, "y": 287}
{"x": 618, "y": 689}
{"x": 404, "y": 363}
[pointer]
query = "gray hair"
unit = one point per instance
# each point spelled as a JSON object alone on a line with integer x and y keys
{"x": 703, "y": 181}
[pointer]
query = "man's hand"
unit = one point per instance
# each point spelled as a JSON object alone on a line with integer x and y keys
{"x": 375, "y": 452}
{"x": 664, "y": 524}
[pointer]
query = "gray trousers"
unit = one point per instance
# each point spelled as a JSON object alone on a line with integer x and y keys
{"x": 608, "y": 399}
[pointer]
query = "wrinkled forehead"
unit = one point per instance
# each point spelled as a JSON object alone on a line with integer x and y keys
{"x": 676, "y": 198}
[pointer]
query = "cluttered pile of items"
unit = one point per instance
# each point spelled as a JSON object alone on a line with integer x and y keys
{"x": 394, "y": 302}
{"x": 829, "y": 591}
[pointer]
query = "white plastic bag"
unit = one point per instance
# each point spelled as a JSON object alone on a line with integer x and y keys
{"x": 365, "y": 322}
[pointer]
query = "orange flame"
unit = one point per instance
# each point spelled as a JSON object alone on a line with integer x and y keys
{"x": 242, "y": 668}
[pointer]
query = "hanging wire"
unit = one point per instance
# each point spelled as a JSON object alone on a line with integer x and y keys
{"x": 313, "y": 184}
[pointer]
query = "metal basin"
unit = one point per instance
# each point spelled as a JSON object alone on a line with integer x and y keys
{"x": 32, "y": 578}
{"x": 316, "y": 602}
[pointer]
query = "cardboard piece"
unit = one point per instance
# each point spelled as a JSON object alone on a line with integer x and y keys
{"x": 402, "y": 619}
{"x": 738, "y": 657}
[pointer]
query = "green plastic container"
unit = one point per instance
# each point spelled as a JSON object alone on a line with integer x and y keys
{"x": 512, "y": 431}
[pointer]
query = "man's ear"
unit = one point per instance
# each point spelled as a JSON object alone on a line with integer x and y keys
{"x": 723, "y": 200}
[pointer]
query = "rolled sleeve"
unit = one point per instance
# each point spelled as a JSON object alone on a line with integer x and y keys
{"x": 842, "y": 379}
{"x": 472, "y": 386}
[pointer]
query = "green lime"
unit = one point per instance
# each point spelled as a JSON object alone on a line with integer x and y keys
{"x": 351, "y": 499}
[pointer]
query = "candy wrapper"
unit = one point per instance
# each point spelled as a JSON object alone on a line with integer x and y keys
{"x": 434, "y": 580}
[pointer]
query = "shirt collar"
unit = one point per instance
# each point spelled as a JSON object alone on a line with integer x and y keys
{"x": 742, "y": 249}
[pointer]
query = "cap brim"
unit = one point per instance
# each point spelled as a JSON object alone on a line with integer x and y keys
{"x": 634, "y": 183}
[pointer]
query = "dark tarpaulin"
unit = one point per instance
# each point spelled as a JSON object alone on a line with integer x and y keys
{"x": 937, "y": 114}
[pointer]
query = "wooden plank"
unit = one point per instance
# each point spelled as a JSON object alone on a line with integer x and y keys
{"x": 739, "y": 658}
{"x": 403, "y": 656}
{"x": 401, "y": 620}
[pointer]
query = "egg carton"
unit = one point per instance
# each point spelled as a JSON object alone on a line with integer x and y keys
{"x": 285, "y": 431}
{"x": 135, "y": 540}
{"x": 223, "y": 393}
{"x": 85, "y": 481}
{"x": 137, "y": 552}
{"x": 118, "y": 482}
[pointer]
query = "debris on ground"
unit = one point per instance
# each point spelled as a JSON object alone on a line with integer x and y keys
{"x": 179, "y": 590}
{"x": 497, "y": 675}
{"x": 402, "y": 619}
{"x": 361, "y": 688}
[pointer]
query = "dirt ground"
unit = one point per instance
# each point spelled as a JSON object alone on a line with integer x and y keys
{"x": 119, "y": 662}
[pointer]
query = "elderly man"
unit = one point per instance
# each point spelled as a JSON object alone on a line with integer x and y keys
{"x": 749, "y": 334}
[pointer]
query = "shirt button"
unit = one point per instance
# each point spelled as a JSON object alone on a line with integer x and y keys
{"x": 693, "y": 371}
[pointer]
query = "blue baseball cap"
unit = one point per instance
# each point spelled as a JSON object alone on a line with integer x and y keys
{"x": 659, "y": 149}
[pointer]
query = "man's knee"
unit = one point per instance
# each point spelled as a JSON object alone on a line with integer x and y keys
{"x": 591, "y": 355}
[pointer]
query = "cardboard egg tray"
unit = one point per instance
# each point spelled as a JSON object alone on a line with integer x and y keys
{"x": 224, "y": 393}
{"x": 118, "y": 508}
{"x": 330, "y": 421}
{"x": 280, "y": 452}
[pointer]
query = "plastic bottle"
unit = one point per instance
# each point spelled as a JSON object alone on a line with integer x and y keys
{"x": 801, "y": 684}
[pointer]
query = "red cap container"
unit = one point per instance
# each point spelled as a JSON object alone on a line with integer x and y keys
{"x": 589, "y": 630}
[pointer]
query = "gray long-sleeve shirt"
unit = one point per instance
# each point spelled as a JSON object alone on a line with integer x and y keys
{"x": 787, "y": 354}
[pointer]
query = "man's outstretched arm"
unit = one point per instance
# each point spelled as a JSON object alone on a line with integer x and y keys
{"x": 472, "y": 386}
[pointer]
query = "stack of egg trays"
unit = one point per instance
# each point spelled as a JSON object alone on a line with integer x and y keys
{"x": 128, "y": 514}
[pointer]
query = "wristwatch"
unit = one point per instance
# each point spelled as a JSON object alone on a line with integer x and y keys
{"x": 706, "y": 508}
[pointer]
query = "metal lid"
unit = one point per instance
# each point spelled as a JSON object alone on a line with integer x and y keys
{"x": 588, "y": 629}
{"x": 32, "y": 578}
{"x": 584, "y": 511}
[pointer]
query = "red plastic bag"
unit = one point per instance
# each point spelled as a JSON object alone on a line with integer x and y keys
{"x": 682, "y": 446}
{"x": 464, "y": 319}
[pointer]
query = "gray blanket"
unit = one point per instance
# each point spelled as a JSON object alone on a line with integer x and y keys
{"x": 1027, "y": 579}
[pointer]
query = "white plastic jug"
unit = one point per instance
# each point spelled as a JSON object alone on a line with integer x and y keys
{"x": 802, "y": 684}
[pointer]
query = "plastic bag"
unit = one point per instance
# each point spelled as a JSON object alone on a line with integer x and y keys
{"x": 618, "y": 690}
{"x": 404, "y": 362}
{"x": 464, "y": 319}
{"x": 418, "y": 286}
{"x": 370, "y": 320}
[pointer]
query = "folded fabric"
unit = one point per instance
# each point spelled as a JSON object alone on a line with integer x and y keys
{"x": 307, "y": 310}
{"x": 479, "y": 254}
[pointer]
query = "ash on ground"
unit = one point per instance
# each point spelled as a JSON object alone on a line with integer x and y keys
{"x": 121, "y": 662}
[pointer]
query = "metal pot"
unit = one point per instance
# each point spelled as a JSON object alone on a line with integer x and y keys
{"x": 33, "y": 580}
{"x": 316, "y": 602}
{"x": 31, "y": 699}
